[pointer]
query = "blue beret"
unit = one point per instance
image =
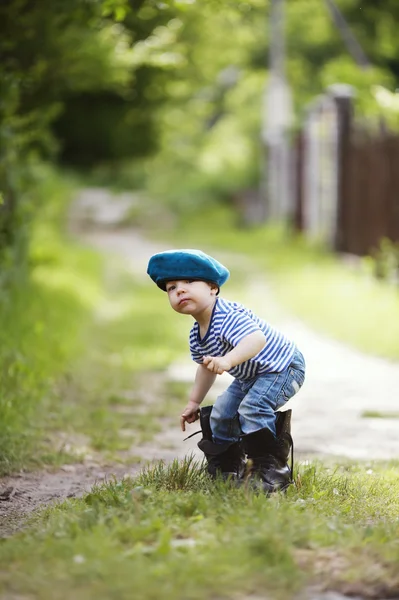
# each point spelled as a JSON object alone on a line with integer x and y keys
{"x": 173, "y": 265}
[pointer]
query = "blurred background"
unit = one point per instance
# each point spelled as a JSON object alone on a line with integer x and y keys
{"x": 277, "y": 109}
{"x": 260, "y": 128}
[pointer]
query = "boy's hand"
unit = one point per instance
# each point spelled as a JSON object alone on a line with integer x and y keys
{"x": 189, "y": 415}
{"x": 217, "y": 364}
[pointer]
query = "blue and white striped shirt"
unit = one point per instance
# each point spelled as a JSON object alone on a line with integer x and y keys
{"x": 230, "y": 323}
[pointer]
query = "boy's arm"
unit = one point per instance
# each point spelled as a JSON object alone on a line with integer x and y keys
{"x": 203, "y": 382}
{"x": 247, "y": 348}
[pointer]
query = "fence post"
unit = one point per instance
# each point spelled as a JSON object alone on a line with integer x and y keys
{"x": 342, "y": 95}
{"x": 298, "y": 195}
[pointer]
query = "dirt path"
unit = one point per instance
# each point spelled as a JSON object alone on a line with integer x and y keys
{"x": 327, "y": 420}
{"x": 22, "y": 494}
{"x": 341, "y": 385}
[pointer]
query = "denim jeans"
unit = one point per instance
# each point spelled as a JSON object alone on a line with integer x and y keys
{"x": 247, "y": 406}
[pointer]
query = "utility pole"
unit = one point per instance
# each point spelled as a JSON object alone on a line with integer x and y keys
{"x": 352, "y": 45}
{"x": 277, "y": 118}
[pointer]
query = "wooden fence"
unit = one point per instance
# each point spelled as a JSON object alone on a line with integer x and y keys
{"x": 346, "y": 190}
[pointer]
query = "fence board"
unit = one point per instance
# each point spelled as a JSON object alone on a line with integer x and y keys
{"x": 366, "y": 179}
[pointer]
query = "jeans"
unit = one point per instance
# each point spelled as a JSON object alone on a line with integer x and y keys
{"x": 247, "y": 406}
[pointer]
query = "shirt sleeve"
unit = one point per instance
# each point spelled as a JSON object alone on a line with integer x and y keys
{"x": 197, "y": 357}
{"x": 236, "y": 326}
{"x": 195, "y": 354}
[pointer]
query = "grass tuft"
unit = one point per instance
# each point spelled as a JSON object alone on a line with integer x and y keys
{"x": 188, "y": 474}
{"x": 375, "y": 414}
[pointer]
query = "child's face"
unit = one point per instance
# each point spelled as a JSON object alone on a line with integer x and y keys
{"x": 190, "y": 297}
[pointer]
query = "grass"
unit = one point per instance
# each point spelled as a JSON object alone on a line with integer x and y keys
{"x": 92, "y": 367}
{"x": 118, "y": 394}
{"x": 171, "y": 529}
{"x": 41, "y": 321}
{"x": 37, "y": 339}
{"x": 375, "y": 414}
{"x": 75, "y": 338}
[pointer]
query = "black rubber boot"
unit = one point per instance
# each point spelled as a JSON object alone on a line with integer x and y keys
{"x": 269, "y": 456}
{"x": 283, "y": 434}
{"x": 224, "y": 460}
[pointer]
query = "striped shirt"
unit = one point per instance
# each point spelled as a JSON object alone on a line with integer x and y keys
{"x": 230, "y": 323}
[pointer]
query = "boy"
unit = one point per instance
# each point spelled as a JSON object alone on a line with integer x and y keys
{"x": 267, "y": 368}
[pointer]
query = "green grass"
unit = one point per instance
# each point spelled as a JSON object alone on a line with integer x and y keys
{"x": 39, "y": 332}
{"x": 375, "y": 414}
{"x": 118, "y": 394}
{"x": 42, "y": 319}
{"x": 172, "y": 533}
{"x": 76, "y": 336}
{"x": 92, "y": 347}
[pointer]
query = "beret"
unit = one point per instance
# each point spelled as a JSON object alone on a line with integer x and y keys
{"x": 173, "y": 265}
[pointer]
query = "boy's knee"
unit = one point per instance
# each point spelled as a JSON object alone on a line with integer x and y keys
{"x": 247, "y": 409}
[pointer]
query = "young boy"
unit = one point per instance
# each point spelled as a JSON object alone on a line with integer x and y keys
{"x": 267, "y": 368}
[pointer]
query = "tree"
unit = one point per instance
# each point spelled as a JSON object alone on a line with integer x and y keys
{"x": 46, "y": 49}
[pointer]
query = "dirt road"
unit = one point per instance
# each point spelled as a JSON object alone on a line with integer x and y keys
{"x": 341, "y": 385}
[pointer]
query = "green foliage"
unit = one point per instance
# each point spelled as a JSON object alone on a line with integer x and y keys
{"x": 209, "y": 119}
{"x": 116, "y": 129}
{"x": 47, "y": 49}
{"x": 108, "y": 80}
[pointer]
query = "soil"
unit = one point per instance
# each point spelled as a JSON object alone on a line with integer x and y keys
{"x": 328, "y": 413}
{"x": 24, "y": 493}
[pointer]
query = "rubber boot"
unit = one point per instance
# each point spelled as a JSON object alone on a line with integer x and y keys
{"x": 269, "y": 456}
{"x": 283, "y": 434}
{"x": 224, "y": 460}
